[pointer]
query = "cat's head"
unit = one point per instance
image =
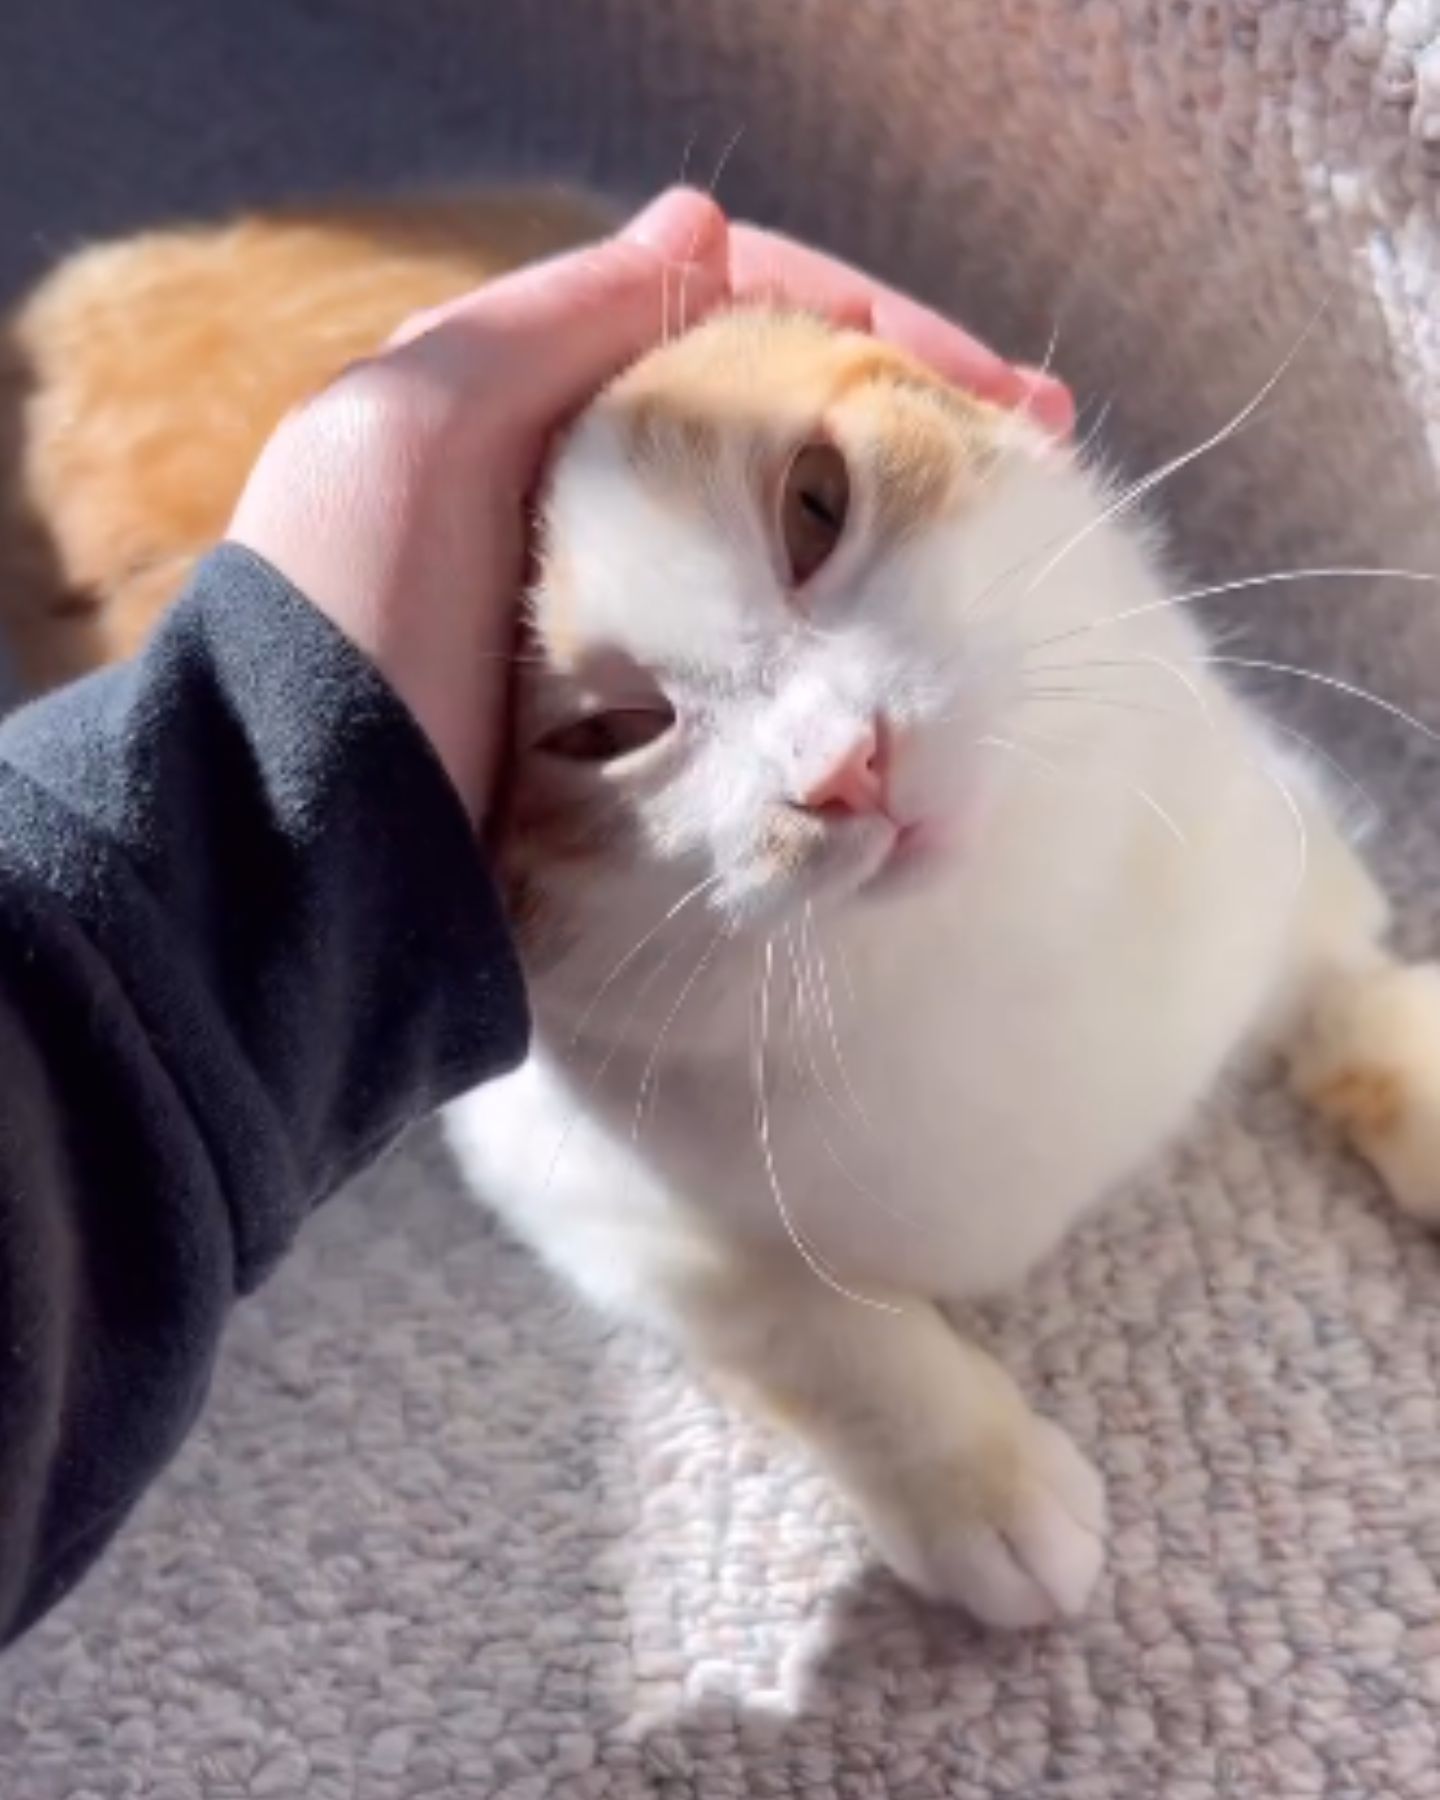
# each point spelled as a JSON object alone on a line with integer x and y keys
{"x": 768, "y": 631}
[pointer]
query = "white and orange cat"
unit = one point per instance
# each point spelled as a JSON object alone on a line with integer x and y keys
{"x": 893, "y": 871}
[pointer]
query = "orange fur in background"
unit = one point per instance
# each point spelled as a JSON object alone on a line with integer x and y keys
{"x": 139, "y": 381}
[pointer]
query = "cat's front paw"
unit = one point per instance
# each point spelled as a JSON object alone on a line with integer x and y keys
{"x": 1016, "y": 1537}
{"x": 1369, "y": 1060}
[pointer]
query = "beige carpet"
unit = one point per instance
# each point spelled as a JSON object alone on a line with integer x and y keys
{"x": 439, "y": 1538}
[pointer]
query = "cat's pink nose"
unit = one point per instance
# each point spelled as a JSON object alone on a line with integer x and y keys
{"x": 854, "y": 782}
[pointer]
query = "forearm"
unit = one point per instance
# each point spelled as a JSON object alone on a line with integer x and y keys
{"x": 245, "y": 937}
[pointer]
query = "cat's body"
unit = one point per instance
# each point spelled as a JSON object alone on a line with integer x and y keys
{"x": 893, "y": 871}
{"x": 137, "y": 388}
{"x": 1087, "y": 968}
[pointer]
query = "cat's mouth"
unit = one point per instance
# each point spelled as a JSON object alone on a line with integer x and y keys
{"x": 841, "y": 860}
{"x": 894, "y": 855}
{"x": 915, "y": 850}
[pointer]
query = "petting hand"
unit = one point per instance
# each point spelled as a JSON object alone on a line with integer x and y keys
{"x": 396, "y": 499}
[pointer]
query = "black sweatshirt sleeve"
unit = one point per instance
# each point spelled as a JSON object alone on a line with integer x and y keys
{"x": 245, "y": 937}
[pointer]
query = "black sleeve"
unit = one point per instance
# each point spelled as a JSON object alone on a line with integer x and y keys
{"x": 246, "y": 936}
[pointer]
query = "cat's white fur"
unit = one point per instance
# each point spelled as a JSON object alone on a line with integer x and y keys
{"x": 1135, "y": 884}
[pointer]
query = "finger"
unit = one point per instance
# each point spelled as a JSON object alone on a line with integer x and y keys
{"x": 969, "y": 363}
{"x": 1047, "y": 400}
{"x": 680, "y": 225}
{"x": 538, "y": 343}
{"x": 766, "y": 265}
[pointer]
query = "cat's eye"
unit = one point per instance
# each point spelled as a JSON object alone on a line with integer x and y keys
{"x": 814, "y": 504}
{"x": 604, "y": 737}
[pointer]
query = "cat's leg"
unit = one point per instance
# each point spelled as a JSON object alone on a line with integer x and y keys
{"x": 967, "y": 1494}
{"x": 1364, "y": 1044}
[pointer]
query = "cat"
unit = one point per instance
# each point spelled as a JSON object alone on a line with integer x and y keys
{"x": 894, "y": 870}
{"x": 139, "y": 381}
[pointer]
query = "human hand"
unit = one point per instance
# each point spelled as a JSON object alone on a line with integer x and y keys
{"x": 763, "y": 263}
{"x": 396, "y": 499}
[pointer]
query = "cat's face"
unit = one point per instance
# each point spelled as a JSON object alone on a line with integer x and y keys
{"x": 763, "y": 649}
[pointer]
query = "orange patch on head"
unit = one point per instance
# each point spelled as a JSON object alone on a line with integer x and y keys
{"x": 1364, "y": 1099}
{"x": 916, "y": 449}
{"x": 673, "y": 446}
{"x": 553, "y": 608}
{"x": 747, "y": 388}
{"x": 929, "y": 443}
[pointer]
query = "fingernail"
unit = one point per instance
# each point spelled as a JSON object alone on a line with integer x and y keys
{"x": 1048, "y": 401}
{"x": 682, "y": 223}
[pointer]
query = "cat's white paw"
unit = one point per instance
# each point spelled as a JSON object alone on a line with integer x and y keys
{"x": 1018, "y": 1542}
{"x": 1370, "y": 1061}
{"x": 1408, "y": 1158}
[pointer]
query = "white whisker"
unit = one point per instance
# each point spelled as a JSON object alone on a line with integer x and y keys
{"x": 1047, "y": 362}
{"x": 722, "y": 162}
{"x": 828, "y": 1013}
{"x": 572, "y": 1119}
{"x": 804, "y": 1013}
{"x": 1328, "y": 681}
{"x": 847, "y": 976}
{"x": 1141, "y": 793}
{"x": 649, "y": 1078}
{"x": 688, "y": 265}
{"x": 1102, "y": 417}
{"x": 1085, "y": 696}
{"x": 807, "y": 1062}
{"x": 1147, "y": 660}
{"x": 807, "y": 1015}
{"x": 1137, "y": 490}
{"x": 1087, "y": 693}
{"x": 666, "y": 269}
{"x": 1277, "y": 578}
{"x": 1375, "y": 811}
{"x": 848, "y": 1176}
{"x": 1035, "y": 377}
{"x": 636, "y": 950}
{"x": 1145, "y": 484}
{"x": 762, "y": 1128}
{"x": 1297, "y": 816}
{"x": 1186, "y": 681}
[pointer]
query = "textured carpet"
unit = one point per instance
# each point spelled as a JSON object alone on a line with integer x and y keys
{"x": 440, "y": 1537}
